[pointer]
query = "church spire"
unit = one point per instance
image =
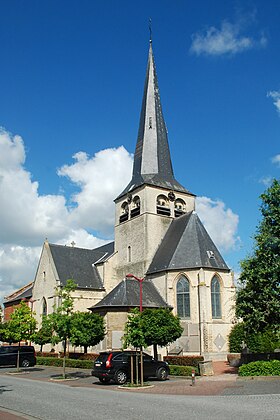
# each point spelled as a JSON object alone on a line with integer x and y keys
{"x": 152, "y": 162}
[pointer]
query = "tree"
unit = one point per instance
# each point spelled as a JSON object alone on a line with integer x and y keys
{"x": 45, "y": 334}
{"x": 62, "y": 315}
{"x": 20, "y": 327}
{"x": 133, "y": 331}
{"x": 161, "y": 328}
{"x": 258, "y": 300}
{"x": 87, "y": 329}
{"x": 152, "y": 327}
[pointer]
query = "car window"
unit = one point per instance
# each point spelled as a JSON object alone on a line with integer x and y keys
{"x": 147, "y": 358}
{"x": 127, "y": 357}
{"x": 102, "y": 357}
{"x": 118, "y": 357}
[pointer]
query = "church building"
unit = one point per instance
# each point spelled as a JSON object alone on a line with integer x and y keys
{"x": 158, "y": 238}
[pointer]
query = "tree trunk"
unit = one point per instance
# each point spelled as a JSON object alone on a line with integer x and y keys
{"x": 64, "y": 358}
{"x": 18, "y": 357}
{"x": 155, "y": 352}
{"x": 85, "y": 349}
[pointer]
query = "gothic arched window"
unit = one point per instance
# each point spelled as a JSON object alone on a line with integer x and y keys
{"x": 216, "y": 298}
{"x": 183, "y": 298}
{"x": 44, "y": 307}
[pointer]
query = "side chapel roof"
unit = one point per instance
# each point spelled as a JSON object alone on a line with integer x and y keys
{"x": 127, "y": 294}
{"x": 24, "y": 292}
{"x": 152, "y": 161}
{"x": 187, "y": 245}
{"x": 78, "y": 264}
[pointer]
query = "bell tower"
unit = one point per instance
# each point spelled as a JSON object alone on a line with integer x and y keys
{"x": 153, "y": 198}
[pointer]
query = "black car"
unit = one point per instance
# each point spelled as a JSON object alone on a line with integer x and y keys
{"x": 9, "y": 354}
{"x": 116, "y": 366}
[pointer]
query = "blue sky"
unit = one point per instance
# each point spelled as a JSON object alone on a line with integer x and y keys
{"x": 71, "y": 84}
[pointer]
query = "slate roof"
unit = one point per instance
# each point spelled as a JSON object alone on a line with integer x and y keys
{"x": 152, "y": 162}
{"x": 127, "y": 294}
{"x": 24, "y": 292}
{"x": 187, "y": 245}
{"x": 78, "y": 264}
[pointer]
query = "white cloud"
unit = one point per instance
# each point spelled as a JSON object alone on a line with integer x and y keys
{"x": 226, "y": 40}
{"x": 276, "y": 159}
{"x": 220, "y": 222}
{"x": 17, "y": 267}
{"x": 100, "y": 178}
{"x": 27, "y": 218}
{"x": 275, "y": 95}
{"x": 266, "y": 180}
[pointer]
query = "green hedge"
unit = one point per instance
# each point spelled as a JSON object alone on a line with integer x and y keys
{"x": 260, "y": 368}
{"x": 87, "y": 364}
{"x": 183, "y": 360}
{"x": 52, "y": 361}
{"x": 183, "y": 370}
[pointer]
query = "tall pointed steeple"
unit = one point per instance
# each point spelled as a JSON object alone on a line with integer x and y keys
{"x": 152, "y": 162}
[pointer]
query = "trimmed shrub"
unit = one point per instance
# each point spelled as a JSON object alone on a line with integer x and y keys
{"x": 83, "y": 356}
{"x": 260, "y": 368}
{"x": 183, "y": 360}
{"x": 53, "y": 361}
{"x": 183, "y": 370}
{"x": 46, "y": 354}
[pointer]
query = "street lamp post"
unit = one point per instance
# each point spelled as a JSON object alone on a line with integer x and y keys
{"x": 131, "y": 276}
{"x": 140, "y": 280}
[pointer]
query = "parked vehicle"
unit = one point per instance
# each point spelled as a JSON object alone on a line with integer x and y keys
{"x": 9, "y": 354}
{"x": 116, "y": 366}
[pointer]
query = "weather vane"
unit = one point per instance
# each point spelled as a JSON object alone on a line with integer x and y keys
{"x": 150, "y": 29}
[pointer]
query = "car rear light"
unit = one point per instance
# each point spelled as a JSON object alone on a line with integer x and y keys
{"x": 108, "y": 361}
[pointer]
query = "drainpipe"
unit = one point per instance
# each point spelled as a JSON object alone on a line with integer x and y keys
{"x": 199, "y": 316}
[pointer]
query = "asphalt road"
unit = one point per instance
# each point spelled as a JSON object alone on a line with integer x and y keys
{"x": 56, "y": 401}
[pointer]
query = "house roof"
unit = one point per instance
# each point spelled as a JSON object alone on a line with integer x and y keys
{"x": 127, "y": 294}
{"x": 152, "y": 161}
{"x": 187, "y": 245}
{"x": 24, "y": 292}
{"x": 78, "y": 264}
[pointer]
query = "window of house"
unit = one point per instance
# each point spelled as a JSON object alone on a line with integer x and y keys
{"x": 183, "y": 298}
{"x": 216, "y": 298}
{"x": 44, "y": 307}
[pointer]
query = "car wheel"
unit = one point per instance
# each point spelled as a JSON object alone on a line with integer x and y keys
{"x": 104, "y": 380}
{"x": 25, "y": 363}
{"x": 162, "y": 374}
{"x": 120, "y": 377}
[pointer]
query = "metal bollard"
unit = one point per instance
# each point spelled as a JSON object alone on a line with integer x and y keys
{"x": 193, "y": 378}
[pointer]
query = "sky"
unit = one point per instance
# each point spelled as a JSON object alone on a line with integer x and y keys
{"x": 71, "y": 83}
